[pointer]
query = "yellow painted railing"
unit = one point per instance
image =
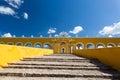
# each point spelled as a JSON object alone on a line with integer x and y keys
{"x": 10, "y": 54}
{"x": 108, "y": 56}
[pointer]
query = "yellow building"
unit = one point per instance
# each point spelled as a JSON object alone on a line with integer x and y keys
{"x": 63, "y": 45}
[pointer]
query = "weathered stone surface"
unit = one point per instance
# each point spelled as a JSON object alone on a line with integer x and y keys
{"x": 58, "y": 67}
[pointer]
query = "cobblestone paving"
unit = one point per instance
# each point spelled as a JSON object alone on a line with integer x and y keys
{"x": 58, "y": 67}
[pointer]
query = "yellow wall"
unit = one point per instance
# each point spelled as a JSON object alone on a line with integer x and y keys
{"x": 10, "y": 54}
{"x": 108, "y": 56}
{"x": 55, "y": 42}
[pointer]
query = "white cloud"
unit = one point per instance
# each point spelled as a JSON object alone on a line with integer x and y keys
{"x": 15, "y": 3}
{"x": 23, "y": 36}
{"x": 52, "y": 30}
{"x": 14, "y": 36}
{"x": 76, "y": 30}
{"x": 25, "y": 15}
{"x": 32, "y": 36}
{"x": 56, "y": 35}
{"x": 7, "y": 35}
{"x": 41, "y": 36}
{"x": 12, "y": 10}
{"x": 64, "y": 34}
{"x": 7, "y": 10}
{"x": 111, "y": 30}
{"x": 110, "y": 36}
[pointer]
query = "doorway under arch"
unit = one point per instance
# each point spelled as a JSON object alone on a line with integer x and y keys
{"x": 63, "y": 51}
{"x": 63, "y": 47}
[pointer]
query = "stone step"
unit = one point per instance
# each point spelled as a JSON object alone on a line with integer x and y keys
{"x": 58, "y": 73}
{"x": 59, "y": 63}
{"x": 54, "y": 59}
{"x": 63, "y": 57}
{"x": 64, "y": 65}
{"x": 58, "y": 67}
{"x": 50, "y": 60}
{"x": 50, "y": 78}
{"x": 55, "y": 67}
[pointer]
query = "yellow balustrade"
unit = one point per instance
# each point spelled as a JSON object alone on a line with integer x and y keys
{"x": 108, "y": 56}
{"x": 9, "y": 54}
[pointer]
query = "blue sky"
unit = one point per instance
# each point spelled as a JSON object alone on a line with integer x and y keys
{"x": 74, "y": 17}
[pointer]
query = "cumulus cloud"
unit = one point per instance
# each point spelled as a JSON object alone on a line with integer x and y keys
{"x": 23, "y": 36}
{"x": 7, "y": 10}
{"x": 7, "y": 35}
{"x": 64, "y": 34}
{"x": 111, "y": 30}
{"x": 15, "y": 3}
{"x": 52, "y": 30}
{"x": 32, "y": 36}
{"x": 110, "y": 36}
{"x": 56, "y": 35}
{"x": 41, "y": 36}
{"x": 76, "y": 30}
{"x": 12, "y": 8}
{"x": 25, "y": 15}
{"x": 14, "y": 36}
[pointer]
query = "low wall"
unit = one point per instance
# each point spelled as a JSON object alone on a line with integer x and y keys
{"x": 9, "y": 54}
{"x": 108, "y": 56}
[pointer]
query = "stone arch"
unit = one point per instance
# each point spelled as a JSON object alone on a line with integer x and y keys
{"x": 37, "y": 45}
{"x": 28, "y": 44}
{"x": 2, "y": 42}
{"x": 79, "y": 46}
{"x": 90, "y": 46}
{"x": 47, "y": 45}
{"x": 63, "y": 43}
{"x": 100, "y": 45}
{"x": 63, "y": 47}
{"x": 19, "y": 44}
{"x": 10, "y": 43}
{"x": 111, "y": 45}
